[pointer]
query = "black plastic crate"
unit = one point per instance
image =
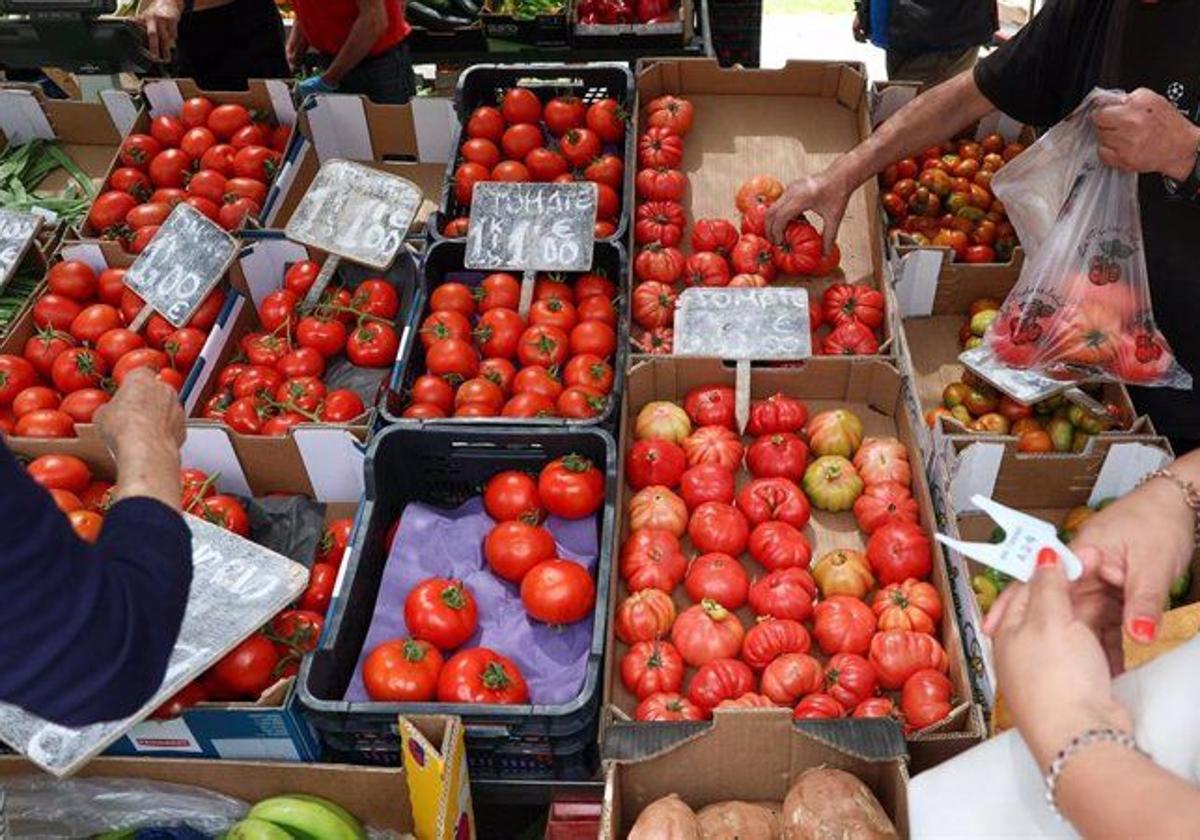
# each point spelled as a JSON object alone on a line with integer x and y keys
{"x": 484, "y": 84}
{"x": 442, "y": 258}
{"x": 445, "y": 467}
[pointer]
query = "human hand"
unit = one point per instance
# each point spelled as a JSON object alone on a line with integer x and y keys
{"x": 144, "y": 411}
{"x": 824, "y": 194}
{"x": 858, "y": 30}
{"x": 313, "y": 84}
{"x": 1143, "y": 132}
{"x": 297, "y": 48}
{"x": 161, "y": 19}
{"x": 1050, "y": 665}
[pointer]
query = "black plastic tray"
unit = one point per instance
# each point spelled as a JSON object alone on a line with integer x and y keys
{"x": 446, "y": 256}
{"x": 484, "y": 84}
{"x": 445, "y": 467}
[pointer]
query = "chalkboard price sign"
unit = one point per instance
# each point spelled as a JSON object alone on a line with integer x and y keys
{"x": 183, "y": 262}
{"x": 531, "y": 227}
{"x": 768, "y": 324}
{"x": 356, "y": 212}
{"x": 17, "y": 230}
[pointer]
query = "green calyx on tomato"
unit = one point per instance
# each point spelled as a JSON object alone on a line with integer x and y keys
{"x": 454, "y": 597}
{"x": 714, "y": 610}
{"x": 576, "y": 463}
{"x": 495, "y": 677}
{"x": 413, "y": 651}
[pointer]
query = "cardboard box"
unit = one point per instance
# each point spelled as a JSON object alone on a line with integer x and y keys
{"x": 933, "y": 298}
{"x": 786, "y": 123}
{"x": 89, "y": 133}
{"x": 271, "y": 98}
{"x": 271, "y": 727}
{"x": 872, "y": 390}
{"x": 752, "y": 755}
{"x": 1042, "y": 485}
{"x": 435, "y": 761}
{"x": 412, "y": 141}
{"x": 636, "y": 34}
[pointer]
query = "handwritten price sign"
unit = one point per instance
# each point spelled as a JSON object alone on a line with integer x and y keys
{"x": 17, "y": 230}
{"x": 532, "y": 227}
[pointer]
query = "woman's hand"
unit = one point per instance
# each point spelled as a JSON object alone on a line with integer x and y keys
{"x": 161, "y": 19}
{"x": 1050, "y": 666}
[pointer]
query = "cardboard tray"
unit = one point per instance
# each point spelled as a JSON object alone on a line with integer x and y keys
{"x": 751, "y": 755}
{"x": 445, "y": 466}
{"x": 165, "y": 96}
{"x": 933, "y": 301}
{"x": 444, "y": 257}
{"x": 1043, "y": 485}
{"x": 872, "y": 390}
{"x": 787, "y": 123}
{"x": 396, "y": 139}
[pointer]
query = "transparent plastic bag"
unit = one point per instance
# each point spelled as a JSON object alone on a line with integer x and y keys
{"x": 44, "y": 807}
{"x": 1081, "y": 308}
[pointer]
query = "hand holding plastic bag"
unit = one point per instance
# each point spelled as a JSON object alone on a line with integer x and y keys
{"x": 1081, "y": 308}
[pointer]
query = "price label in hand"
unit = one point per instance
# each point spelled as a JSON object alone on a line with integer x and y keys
{"x": 17, "y": 230}
{"x": 531, "y": 227}
{"x": 183, "y": 262}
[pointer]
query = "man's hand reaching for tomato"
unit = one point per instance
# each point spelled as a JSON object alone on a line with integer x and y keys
{"x": 825, "y": 193}
{"x": 1143, "y": 132}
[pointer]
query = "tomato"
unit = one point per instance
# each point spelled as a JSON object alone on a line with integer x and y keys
{"x": 376, "y": 297}
{"x": 785, "y": 593}
{"x": 233, "y": 214}
{"x": 195, "y": 485}
{"x": 300, "y": 276}
{"x": 511, "y": 171}
{"x": 778, "y": 545}
{"x": 132, "y": 181}
{"x": 562, "y": 113}
{"x": 720, "y": 527}
{"x": 925, "y": 699}
{"x": 553, "y": 312}
{"x": 79, "y": 367}
{"x": 843, "y": 624}
{"x": 487, "y": 122}
{"x": 480, "y": 150}
{"x": 653, "y": 304}
{"x": 196, "y": 141}
{"x": 765, "y": 499}
{"x": 543, "y": 345}
{"x": 207, "y": 183}
{"x": 195, "y": 111}
{"x": 245, "y": 414}
{"x": 659, "y": 147}
{"x": 706, "y": 483}
{"x": 137, "y": 150}
{"x": 262, "y": 349}
{"x": 536, "y": 379}
{"x": 875, "y": 707}
{"x": 714, "y": 235}
{"x": 654, "y": 462}
{"x": 55, "y": 312}
{"x": 607, "y": 170}
{"x": 500, "y": 371}
{"x": 16, "y": 374}
{"x": 851, "y": 339}
{"x": 167, "y": 130}
{"x": 342, "y": 406}
{"x": 298, "y": 631}
{"x": 644, "y": 616}
{"x": 512, "y": 548}
{"x": 45, "y": 423}
{"x": 170, "y": 168}
{"x": 226, "y": 120}
{"x": 658, "y": 507}
{"x": 277, "y": 309}
{"x": 850, "y": 679}
{"x": 41, "y": 350}
{"x": 558, "y": 592}
{"x": 511, "y": 495}
{"x": 781, "y": 455}
{"x": 498, "y": 291}
{"x": 571, "y": 487}
{"x": 659, "y": 184}
{"x": 433, "y": 390}
{"x": 86, "y": 524}
{"x": 248, "y": 188}
{"x": 590, "y": 371}
{"x": 402, "y": 671}
{"x": 897, "y": 654}
{"x": 717, "y": 577}
{"x": 257, "y": 163}
{"x": 659, "y": 221}
{"x": 81, "y": 405}
{"x": 580, "y": 402}
{"x": 519, "y": 141}
{"x": 455, "y": 297}
{"x": 706, "y": 631}
{"x": 249, "y": 669}
{"x": 651, "y": 667}
{"x": 520, "y": 105}
{"x": 110, "y": 286}
{"x": 141, "y": 238}
{"x": 144, "y": 357}
{"x": 670, "y": 112}
{"x": 753, "y": 255}
{"x": 899, "y": 550}
{"x": 108, "y": 211}
{"x": 184, "y": 699}
{"x": 228, "y": 513}
{"x": 60, "y": 472}
{"x": 791, "y": 676}
{"x": 720, "y": 679}
{"x": 249, "y": 135}
{"x": 713, "y": 445}
{"x": 423, "y": 411}
{"x": 479, "y": 390}
{"x": 147, "y": 215}
{"x": 444, "y": 324}
{"x": 911, "y": 605}
{"x": 456, "y": 228}
{"x": 606, "y": 118}
{"x": 480, "y": 675}
{"x": 372, "y": 345}
{"x": 95, "y": 320}
{"x": 659, "y": 263}
{"x": 35, "y": 398}
{"x": 466, "y": 176}
{"x": 594, "y": 337}
{"x": 771, "y": 638}
{"x": 818, "y": 706}
{"x": 665, "y": 706}
{"x": 883, "y": 503}
{"x": 325, "y": 335}
{"x": 303, "y": 361}
{"x": 652, "y": 559}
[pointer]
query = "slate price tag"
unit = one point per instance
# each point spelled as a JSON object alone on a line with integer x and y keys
{"x": 17, "y": 230}
{"x": 768, "y": 324}
{"x": 531, "y": 227}
{"x": 183, "y": 262}
{"x": 356, "y": 212}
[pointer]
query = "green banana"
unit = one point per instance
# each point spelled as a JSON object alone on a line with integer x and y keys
{"x": 309, "y": 818}
{"x": 255, "y": 829}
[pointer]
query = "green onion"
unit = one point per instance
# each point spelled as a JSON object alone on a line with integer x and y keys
{"x": 25, "y": 166}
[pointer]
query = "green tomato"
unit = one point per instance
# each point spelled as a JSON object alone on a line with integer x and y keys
{"x": 986, "y": 592}
{"x": 1179, "y": 589}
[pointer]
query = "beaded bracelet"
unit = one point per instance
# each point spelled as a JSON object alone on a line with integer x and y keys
{"x": 1076, "y": 745}
{"x": 1191, "y": 496}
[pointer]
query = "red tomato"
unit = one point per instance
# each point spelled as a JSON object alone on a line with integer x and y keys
{"x": 793, "y": 675}
{"x": 257, "y": 163}
{"x": 651, "y": 558}
{"x": 208, "y": 310}
{"x": 580, "y": 146}
{"x": 654, "y": 304}
{"x": 456, "y": 297}
{"x": 95, "y": 320}
{"x": 169, "y": 196}
{"x": 654, "y": 461}
{"x": 300, "y": 276}
{"x": 66, "y": 501}
{"x": 433, "y": 390}
{"x": 196, "y": 141}
{"x": 244, "y": 415}
{"x": 784, "y": 593}
{"x": 167, "y": 130}
{"x": 225, "y": 120}
{"x": 482, "y": 151}
{"x": 706, "y": 483}
{"x": 512, "y": 548}
{"x": 253, "y": 191}
{"x": 486, "y": 122}
{"x": 707, "y": 631}
{"x": 595, "y": 337}
{"x": 35, "y": 398}
{"x": 925, "y": 699}
{"x": 511, "y": 495}
{"x": 558, "y": 592}
{"x": 528, "y": 404}
{"x": 644, "y": 616}
{"x": 781, "y": 455}
{"x": 659, "y": 147}
{"x": 520, "y": 105}
{"x": 55, "y": 312}
{"x": 553, "y": 312}
{"x": 147, "y": 215}
{"x": 376, "y": 297}
{"x": 207, "y": 183}
{"x": 298, "y": 630}
{"x": 110, "y": 286}
{"x": 325, "y": 335}
{"x": 60, "y": 472}
{"x": 898, "y": 654}
{"x": 372, "y": 345}
{"x": 441, "y": 612}
{"x": 610, "y": 172}
{"x": 562, "y": 113}
{"x": 249, "y": 135}
{"x": 16, "y": 374}
{"x": 479, "y": 390}
{"x": 719, "y": 527}
{"x": 589, "y": 371}
{"x": 402, "y": 671}
{"x": 480, "y": 675}
{"x": 195, "y": 111}
{"x": 45, "y": 423}
{"x": 607, "y": 119}
{"x": 170, "y": 168}
{"x": 665, "y": 706}
{"x": 899, "y": 550}
{"x": 228, "y": 513}
{"x": 778, "y": 545}
{"x": 536, "y": 379}
{"x": 303, "y": 393}
{"x": 303, "y": 361}
{"x": 43, "y": 348}
{"x": 278, "y": 308}
{"x": 818, "y": 706}
{"x": 571, "y": 487}
{"x": 766, "y": 499}
{"x": 342, "y": 406}
{"x": 720, "y": 679}
{"x": 499, "y": 333}
{"x": 850, "y": 679}
{"x": 138, "y": 150}
{"x": 86, "y": 524}
{"x": 219, "y": 158}
{"x": 651, "y": 667}
{"x": 500, "y": 371}
{"x": 718, "y": 577}
{"x": 543, "y": 345}
{"x": 843, "y": 624}
{"x": 911, "y": 605}
{"x": 79, "y": 367}
{"x": 132, "y": 181}
{"x": 771, "y": 638}
{"x": 711, "y": 405}
{"x": 466, "y": 176}
{"x": 248, "y": 670}
{"x": 317, "y": 596}
{"x": 108, "y": 211}
{"x": 499, "y": 291}
{"x": 145, "y": 357}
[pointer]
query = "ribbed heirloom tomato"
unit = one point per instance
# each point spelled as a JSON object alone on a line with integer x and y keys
{"x": 652, "y": 559}
{"x": 771, "y": 638}
{"x": 720, "y": 679}
{"x": 707, "y": 631}
{"x": 645, "y": 615}
{"x": 650, "y": 667}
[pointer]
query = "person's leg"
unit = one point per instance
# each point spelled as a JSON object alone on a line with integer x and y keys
{"x": 386, "y": 79}
{"x": 931, "y": 68}
{"x": 223, "y": 47}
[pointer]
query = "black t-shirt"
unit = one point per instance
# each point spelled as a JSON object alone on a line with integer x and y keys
{"x": 1043, "y": 74}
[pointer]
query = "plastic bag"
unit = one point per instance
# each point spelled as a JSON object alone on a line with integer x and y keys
{"x": 43, "y": 807}
{"x": 1081, "y": 308}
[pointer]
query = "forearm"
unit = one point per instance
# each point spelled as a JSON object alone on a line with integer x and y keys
{"x": 928, "y": 119}
{"x": 149, "y": 468}
{"x": 363, "y": 34}
{"x": 1111, "y": 793}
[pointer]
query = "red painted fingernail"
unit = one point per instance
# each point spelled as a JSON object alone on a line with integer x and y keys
{"x": 1047, "y": 557}
{"x": 1142, "y": 629}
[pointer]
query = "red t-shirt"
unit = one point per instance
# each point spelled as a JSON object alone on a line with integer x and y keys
{"x": 326, "y": 23}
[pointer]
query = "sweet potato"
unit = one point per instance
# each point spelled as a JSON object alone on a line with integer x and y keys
{"x": 833, "y": 805}
{"x": 668, "y": 818}
{"x": 737, "y": 820}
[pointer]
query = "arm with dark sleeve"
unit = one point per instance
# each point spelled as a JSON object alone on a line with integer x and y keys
{"x": 88, "y": 629}
{"x": 1042, "y": 73}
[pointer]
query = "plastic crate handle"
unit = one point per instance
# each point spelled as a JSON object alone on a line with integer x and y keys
{"x": 488, "y": 732}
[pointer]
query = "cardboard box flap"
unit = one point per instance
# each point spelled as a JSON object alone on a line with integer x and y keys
{"x": 22, "y": 118}
{"x": 846, "y": 82}
{"x": 1124, "y": 467}
{"x": 974, "y": 472}
{"x": 121, "y": 109}
{"x": 166, "y": 96}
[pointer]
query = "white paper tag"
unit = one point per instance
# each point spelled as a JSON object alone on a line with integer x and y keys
{"x": 121, "y": 109}
{"x": 917, "y": 281}
{"x": 281, "y": 101}
{"x": 339, "y": 127}
{"x": 974, "y": 471}
{"x": 263, "y": 261}
{"x": 49, "y": 215}
{"x": 334, "y": 461}
{"x": 434, "y": 120}
{"x": 86, "y": 252}
{"x": 164, "y": 97}
{"x": 22, "y": 118}
{"x": 209, "y": 449}
{"x": 1124, "y": 466}
{"x": 890, "y": 100}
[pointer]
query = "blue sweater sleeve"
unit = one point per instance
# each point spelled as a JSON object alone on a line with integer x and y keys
{"x": 88, "y": 628}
